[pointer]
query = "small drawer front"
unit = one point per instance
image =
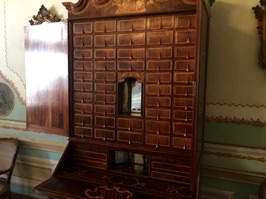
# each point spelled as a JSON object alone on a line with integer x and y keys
{"x": 105, "y": 88}
{"x": 183, "y": 103}
{"x": 104, "y": 134}
{"x": 186, "y": 21}
{"x": 104, "y": 40}
{"x": 105, "y": 99}
{"x": 82, "y": 97}
{"x": 183, "y": 91}
{"x": 82, "y": 76}
{"x": 83, "y": 108}
{"x": 182, "y": 143}
{"x": 160, "y": 53}
{"x": 163, "y": 65}
{"x": 184, "y": 116}
{"x": 105, "y": 65}
{"x": 158, "y": 127}
{"x": 185, "y": 66}
{"x": 131, "y": 25}
{"x": 83, "y": 54}
{"x": 83, "y": 41}
{"x": 83, "y": 86}
{"x": 130, "y": 124}
{"x": 185, "y": 37}
{"x": 83, "y": 132}
{"x": 184, "y": 77}
{"x": 104, "y": 122}
{"x": 83, "y": 65}
{"x": 105, "y": 76}
{"x": 131, "y": 53}
{"x": 182, "y": 129}
{"x": 130, "y": 137}
{"x": 158, "y": 114}
{"x": 162, "y": 22}
{"x": 157, "y": 140}
{"x": 185, "y": 52}
{"x": 136, "y": 39}
{"x": 105, "y": 53}
{"x": 131, "y": 65}
{"x": 104, "y": 109}
{"x": 159, "y": 78}
{"x": 170, "y": 177}
{"x": 82, "y": 120}
{"x": 104, "y": 26}
{"x": 158, "y": 102}
{"x": 158, "y": 90}
{"x": 171, "y": 168}
{"x": 82, "y": 28}
{"x": 181, "y": 160}
{"x": 160, "y": 38}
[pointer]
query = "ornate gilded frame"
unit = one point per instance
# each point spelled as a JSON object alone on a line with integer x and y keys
{"x": 260, "y": 13}
{"x": 43, "y": 15}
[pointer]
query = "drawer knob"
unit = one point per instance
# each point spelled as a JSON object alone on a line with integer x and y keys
{"x": 104, "y": 137}
{"x": 187, "y": 68}
{"x": 187, "y": 57}
{"x": 185, "y": 133}
{"x": 188, "y": 40}
{"x": 158, "y": 68}
{"x": 184, "y": 146}
{"x": 129, "y": 128}
{"x": 129, "y": 141}
{"x": 158, "y": 104}
{"x": 158, "y": 130}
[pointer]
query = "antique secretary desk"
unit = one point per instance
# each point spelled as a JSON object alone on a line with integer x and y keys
{"x": 136, "y": 100}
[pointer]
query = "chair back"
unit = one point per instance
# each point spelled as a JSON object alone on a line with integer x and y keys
{"x": 9, "y": 148}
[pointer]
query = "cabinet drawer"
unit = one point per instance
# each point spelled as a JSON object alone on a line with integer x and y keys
{"x": 105, "y": 65}
{"x": 187, "y": 66}
{"x": 171, "y": 168}
{"x": 130, "y": 137}
{"x": 157, "y": 140}
{"x": 182, "y": 129}
{"x": 82, "y": 28}
{"x": 158, "y": 114}
{"x": 184, "y": 116}
{"x": 105, "y": 76}
{"x": 105, "y": 53}
{"x": 105, "y": 88}
{"x": 130, "y": 124}
{"x": 82, "y": 120}
{"x": 184, "y": 77}
{"x": 159, "y": 78}
{"x": 185, "y": 52}
{"x": 130, "y": 65}
{"x": 182, "y": 143}
{"x": 160, "y": 53}
{"x": 170, "y": 177}
{"x": 136, "y": 39}
{"x": 162, "y": 22}
{"x": 181, "y": 160}
{"x": 183, "y": 91}
{"x": 104, "y": 109}
{"x": 83, "y": 65}
{"x": 83, "y": 41}
{"x": 158, "y": 90}
{"x": 104, "y": 122}
{"x": 183, "y": 103}
{"x": 82, "y": 97}
{"x": 104, "y": 134}
{"x": 185, "y": 37}
{"x": 158, "y": 102}
{"x": 162, "y": 65}
{"x": 160, "y": 38}
{"x": 104, "y": 40}
{"x": 83, "y": 86}
{"x": 104, "y": 26}
{"x": 83, "y": 54}
{"x": 104, "y": 99}
{"x": 157, "y": 127}
{"x": 131, "y": 25}
{"x": 134, "y": 53}
{"x": 83, "y": 132}
{"x": 82, "y": 108}
{"x": 82, "y": 76}
{"x": 186, "y": 21}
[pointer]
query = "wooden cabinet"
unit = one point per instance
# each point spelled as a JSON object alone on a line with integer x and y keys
{"x": 137, "y": 80}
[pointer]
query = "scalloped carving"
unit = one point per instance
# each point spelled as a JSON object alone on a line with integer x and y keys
{"x": 138, "y": 76}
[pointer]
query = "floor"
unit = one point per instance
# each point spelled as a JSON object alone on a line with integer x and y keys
{"x": 17, "y": 196}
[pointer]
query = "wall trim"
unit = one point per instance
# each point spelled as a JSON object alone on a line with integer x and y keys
{"x": 211, "y": 193}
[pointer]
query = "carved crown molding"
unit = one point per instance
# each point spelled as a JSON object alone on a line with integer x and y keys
{"x": 43, "y": 15}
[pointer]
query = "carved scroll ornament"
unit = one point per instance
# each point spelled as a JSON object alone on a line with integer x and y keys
{"x": 43, "y": 15}
{"x": 260, "y": 13}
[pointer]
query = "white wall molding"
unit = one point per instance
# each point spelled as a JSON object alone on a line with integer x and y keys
{"x": 211, "y": 193}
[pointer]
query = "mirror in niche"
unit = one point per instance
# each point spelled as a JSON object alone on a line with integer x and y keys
{"x": 130, "y": 95}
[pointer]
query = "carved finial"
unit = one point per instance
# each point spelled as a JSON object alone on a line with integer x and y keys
{"x": 43, "y": 15}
